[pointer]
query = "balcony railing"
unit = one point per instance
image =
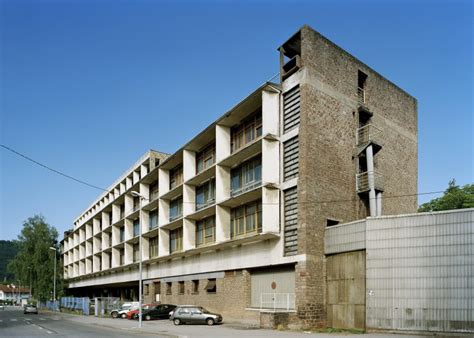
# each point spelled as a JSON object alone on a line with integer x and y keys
{"x": 209, "y": 202}
{"x": 277, "y": 301}
{"x": 249, "y": 186}
{"x": 175, "y": 217}
{"x": 362, "y": 181}
{"x": 367, "y": 134}
{"x": 361, "y": 94}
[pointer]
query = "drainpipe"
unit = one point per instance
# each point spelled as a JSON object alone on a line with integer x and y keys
{"x": 370, "y": 173}
{"x": 379, "y": 203}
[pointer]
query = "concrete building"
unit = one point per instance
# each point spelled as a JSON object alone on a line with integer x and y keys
{"x": 235, "y": 219}
{"x": 14, "y": 294}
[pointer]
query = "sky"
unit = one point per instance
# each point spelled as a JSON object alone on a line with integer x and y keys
{"x": 87, "y": 87}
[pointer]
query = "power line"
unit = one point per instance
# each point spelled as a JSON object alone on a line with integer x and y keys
{"x": 51, "y": 169}
{"x": 191, "y": 202}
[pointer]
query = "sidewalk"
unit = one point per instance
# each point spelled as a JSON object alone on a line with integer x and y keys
{"x": 165, "y": 328}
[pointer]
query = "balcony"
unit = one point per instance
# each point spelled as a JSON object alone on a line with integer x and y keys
{"x": 153, "y": 195}
{"x": 361, "y": 95}
{"x": 362, "y": 181}
{"x": 367, "y": 135}
{"x": 247, "y": 187}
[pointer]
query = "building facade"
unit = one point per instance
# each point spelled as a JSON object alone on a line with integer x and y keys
{"x": 235, "y": 219}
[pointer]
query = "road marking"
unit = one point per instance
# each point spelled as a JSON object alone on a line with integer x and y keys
{"x": 42, "y": 318}
{"x": 48, "y": 331}
{"x": 13, "y": 319}
{"x": 1, "y": 320}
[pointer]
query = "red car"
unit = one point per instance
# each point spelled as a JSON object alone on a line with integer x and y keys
{"x": 133, "y": 314}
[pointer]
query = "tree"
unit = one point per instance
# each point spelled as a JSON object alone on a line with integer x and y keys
{"x": 35, "y": 259}
{"x": 8, "y": 250}
{"x": 454, "y": 197}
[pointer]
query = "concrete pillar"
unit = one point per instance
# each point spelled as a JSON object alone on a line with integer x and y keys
{"x": 164, "y": 243}
{"x": 189, "y": 199}
{"x": 370, "y": 173}
{"x": 222, "y": 142}
{"x": 379, "y": 203}
{"x": 222, "y": 224}
{"x": 145, "y": 192}
{"x": 270, "y": 161}
{"x": 189, "y": 164}
{"x": 163, "y": 181}
{"x": 222, "y": 183}
{"x": 270, "y": 210}
{"x": 189, "y": 234}
{"x": 163, "y": 212}
{"x": 270, "y": 112}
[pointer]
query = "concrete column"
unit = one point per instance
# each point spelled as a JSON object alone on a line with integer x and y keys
{"x": 163, "y": 212}
{"x": 222, "y": 142}
{"x": 115, "y": 213}
{"x": 136, "y": 177}
{"x": 123, "y": 188}
{"x": 96, "y": 224}
{"x": 189, "y": 164}
{"x": 379, "y": 203}
{"x": 128, "y": 229}
{"x": 164, "y": 243}
{"x": 222, "y": 183}
{"x": 270, "y": 112}
{"x": 163, "y": 181}
{"x": 128, "y": 204}
{"x": 145, "y": 192}
{"x": 115, "y": 235}
{"x": 145, "y": 248}
{"x": 189, "y": 234}
{"x": 128, "y": 182}
{"x": 106, "y": 221}
{"x": 222, "y": 224}
{"x": 189, "y": 199}
{"x": 128, "y": 253}
{"x": 270, "y": 161}
{"x": 143, "y": 171}
{"x": 270, "y": 210}
{"x": 105, "y": 261}
{"x": 370, "y": 173}
{"x": 145, "y": 221}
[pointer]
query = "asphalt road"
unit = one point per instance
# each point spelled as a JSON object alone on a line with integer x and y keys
{"x": 13, "y": 323}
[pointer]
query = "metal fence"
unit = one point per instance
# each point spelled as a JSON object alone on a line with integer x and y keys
{"x": 50, "y": 305}
{"x": 76, "y": 304}
{"x": 277, "y": 301}
{"x": 104, "y": 305}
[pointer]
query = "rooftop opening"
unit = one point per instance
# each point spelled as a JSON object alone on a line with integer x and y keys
{"x": 290, "y": 53}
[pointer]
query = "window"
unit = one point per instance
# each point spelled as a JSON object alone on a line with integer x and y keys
{"x": 176, "y": 176}
{"x": 136, "y": 203}
{"x": 290, "y": 221}
{"x": 361, "y": 79}
{"x": 205, "y": 231}
{"x": 153, "y": 247}
{"x": 205, "y": 158}
{"x": 136, "y": 227}
{"x": 205, "y": 194}
{"x": 153, "y": 219}
{"x": 176, "y": 209}
{"x": 153, "y": 191}
{"x": 246, "y": 132}
{"x": 211, "y": 286}
{"x": 136, "y": 252}
{"x": 290, "y": 159}
{"x": 331, "y": 222}
{"x": 122, "y": 211}
{"x": 291, "y": 109}
{"x": 122, "y": 234}
{"x": 246, "y": 219}
{"x": 196, "y": 286}
{"x": 168, "y": 288}
{"x": 176, "y": 240}
{"x": 247, "y": 176}
{"x": 146, "y": 289}
{"x": 181, "y": 288}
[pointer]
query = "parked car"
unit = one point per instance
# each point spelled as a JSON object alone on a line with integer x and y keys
{"x": 194, "y": 314}
{"x": 121, "y": 312}
{"x": 133, "y": 314}
{"x": 30, "y": 308}
{"x": 161, "y": 311}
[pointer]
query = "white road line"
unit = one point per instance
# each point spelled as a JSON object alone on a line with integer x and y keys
{"x": 42, "y": 318}
{"x": 48, "y": 331}
{"x": 1, "y": 320}
{"x": 13, "y": 319}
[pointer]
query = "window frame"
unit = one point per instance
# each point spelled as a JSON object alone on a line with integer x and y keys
{"x": 246, "y": 132}
{"x": 202, "y": 226}
{"x": 176, "y": 240}
{"x": 240, "y": 217}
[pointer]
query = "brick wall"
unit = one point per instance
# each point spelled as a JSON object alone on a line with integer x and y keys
{"x": 231, "y": 298}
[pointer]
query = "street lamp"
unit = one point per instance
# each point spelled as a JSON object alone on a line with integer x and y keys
{"x": 54, "y": 279}
{"x": 137, "y": 194}
{"x": 29, "y": 271}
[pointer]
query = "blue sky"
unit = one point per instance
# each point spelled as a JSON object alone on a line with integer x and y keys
{"x": 87, "y": 87}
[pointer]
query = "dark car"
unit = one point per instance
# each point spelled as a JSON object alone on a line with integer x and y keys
{"x": 158, "y": 312}
{"x": 30, "y": 308}
{"x": 194, "y": 315}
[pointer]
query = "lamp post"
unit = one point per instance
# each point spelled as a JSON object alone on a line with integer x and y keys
{"x": 54, "y": 278}
{"x": 29, "y": 271}
{"x": 137, "y": 194}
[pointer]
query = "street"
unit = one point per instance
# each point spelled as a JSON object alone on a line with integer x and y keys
{"x": 13, "y": 323}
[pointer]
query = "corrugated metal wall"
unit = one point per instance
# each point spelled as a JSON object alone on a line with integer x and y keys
{"x": 345, "y": 237}
{"x": 420, "y": 272}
